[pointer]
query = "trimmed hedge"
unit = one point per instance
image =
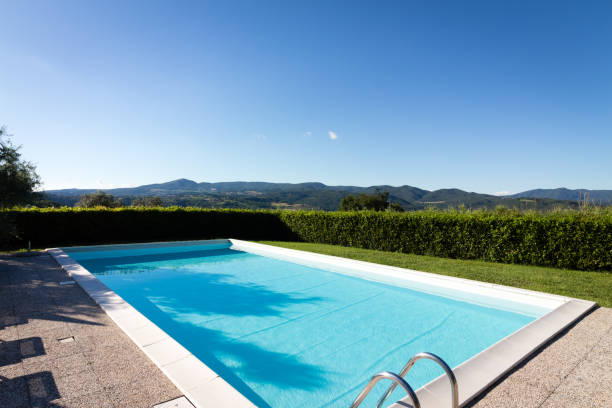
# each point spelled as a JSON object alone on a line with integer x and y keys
{"x": 80, "y": 226}
{"x": 573, "y": 240}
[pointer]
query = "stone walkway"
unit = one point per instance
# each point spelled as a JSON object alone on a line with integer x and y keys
{"x": 574, "y": 370}
{"x": 59, "y": 349}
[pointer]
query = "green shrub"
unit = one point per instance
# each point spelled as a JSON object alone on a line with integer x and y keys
{"x": 565, "y": 240}
{"x": 84, "y": 226}
{"x": 8, "y": 230}
{"x": 575, "y": 240}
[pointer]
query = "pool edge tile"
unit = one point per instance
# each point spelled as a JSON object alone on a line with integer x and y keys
{"x": 526, "y": 296}
{"x": 166, "y": 353}
{"x": 219, "y": 394}
{"x": 190, "y": 372}
{"x": 476, "y": 374}
{"x": 146, "y": 335}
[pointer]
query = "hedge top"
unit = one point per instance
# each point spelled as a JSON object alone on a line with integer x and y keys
{"x": 563, "y": 239}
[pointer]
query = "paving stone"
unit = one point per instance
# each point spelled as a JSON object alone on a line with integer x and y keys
{"x": 37, "y": 323}
{"x": 514, "y": 393}
{"x": 6, "y": 306}
{"x": 74, "y": 386}
{"x": 587, "y": 386}
{"x": 140, "y": 394}
{"x": 575, "y": 370}
{"x": 88, "y": 325}
{"x": 116, "y": 369}
{"x": 53, "y": 374}
{"x": 97, "y": 400}
{"x": 42, "y": 389}
{"x": 11, "y": 371}
{"x": 61, "y": 367}
{"x": 35, "y": 307}
{"x": 47, "y": 346}
{"x": 93, "y": 329}
{"x": 110, "y": 353}
{"x": 14, "y": 393}
{"x": 9, "y": 352}
{"x": 8, "y": 327}
{"x": 9, "y": 341}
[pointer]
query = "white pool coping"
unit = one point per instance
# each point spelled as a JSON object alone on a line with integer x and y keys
{"x": 204, "y": 388}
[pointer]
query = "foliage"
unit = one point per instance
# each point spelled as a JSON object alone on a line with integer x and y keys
{"x": 8, "y": 230}
{"x": 395, "y": 207}
{"x": 98, "y": 199}
{"x": 18, "y": 178}
{"x": 377, "y": 202}
{"x": 51, "y": 227}
{"x": 563, "y": 239}
{"x": 147, "y": 202}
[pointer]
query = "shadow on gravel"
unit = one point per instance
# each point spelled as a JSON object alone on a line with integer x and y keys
{"x": 30, "y": 290}
{"x": 32, "y": 390}
{"x": 13, "y": 352}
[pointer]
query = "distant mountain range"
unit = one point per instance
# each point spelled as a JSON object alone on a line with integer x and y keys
{"x": 240, "y": 194}
{"x": 593, "y": 196}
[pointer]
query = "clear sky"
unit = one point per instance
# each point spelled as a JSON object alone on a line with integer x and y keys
{"x": 485, "y": 96}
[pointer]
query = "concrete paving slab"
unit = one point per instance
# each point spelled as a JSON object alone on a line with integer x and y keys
{"x": 14, "y": 393}
{"x": 574, "y": 369}
{"x": 61, "y": 367}
{"x": 97, "y": 400}
{"x": 37, "y": 370}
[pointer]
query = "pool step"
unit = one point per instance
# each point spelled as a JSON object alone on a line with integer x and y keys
{"x": 399, "y": 380}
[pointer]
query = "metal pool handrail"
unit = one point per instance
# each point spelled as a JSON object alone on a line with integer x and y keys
{"x": 445, "y": 367}
{"x": 389, "y": 376}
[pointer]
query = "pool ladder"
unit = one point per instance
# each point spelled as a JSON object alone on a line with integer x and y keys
{"x": 399, "y": 380}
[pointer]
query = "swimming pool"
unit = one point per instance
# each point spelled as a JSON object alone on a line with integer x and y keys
{"x": 290, "y": 329}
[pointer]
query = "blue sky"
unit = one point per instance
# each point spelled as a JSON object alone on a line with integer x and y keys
{"x": 485, "y": 96}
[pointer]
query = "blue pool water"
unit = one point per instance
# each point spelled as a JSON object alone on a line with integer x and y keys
{"x": 289, "y": 335}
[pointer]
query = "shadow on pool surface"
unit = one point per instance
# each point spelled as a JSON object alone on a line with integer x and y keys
{"x": 184, "y": 314}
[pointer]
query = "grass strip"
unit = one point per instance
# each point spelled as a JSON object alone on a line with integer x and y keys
{"x": 595, "y": 286}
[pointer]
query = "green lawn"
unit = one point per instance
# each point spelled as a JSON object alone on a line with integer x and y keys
{"x": 595, "y": 286}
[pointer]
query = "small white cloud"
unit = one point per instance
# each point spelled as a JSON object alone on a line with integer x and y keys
{"x": 333, "y": 135}
{"x": 261, "y": 137}
{"x": 502, "y": 193}
{"x": 307, "y": 133}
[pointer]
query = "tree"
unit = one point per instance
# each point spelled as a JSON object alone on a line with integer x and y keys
{"x": 377, "y": 201}
{"x": 397, "y": 207}
{"x": 147, "y": 202}
{"x": 98, "y": 199}
{"x": 18, "y": 178}
{"x": 350, "y": 203}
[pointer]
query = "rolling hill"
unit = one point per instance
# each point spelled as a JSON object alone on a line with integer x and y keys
{"x": 242, "y": 194}
{"x": 603, "y": 197}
